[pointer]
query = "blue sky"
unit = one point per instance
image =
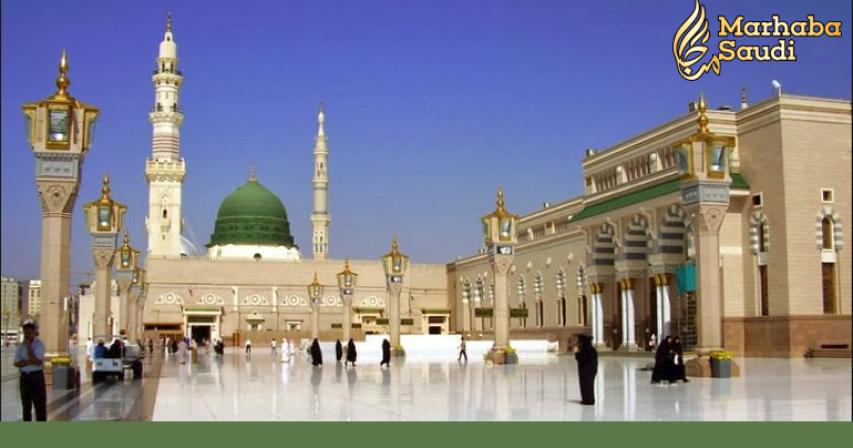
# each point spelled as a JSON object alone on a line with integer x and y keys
{"x": 430, "y": 105}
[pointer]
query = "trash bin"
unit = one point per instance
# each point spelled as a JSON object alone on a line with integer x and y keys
{"x": 61, "y": 377}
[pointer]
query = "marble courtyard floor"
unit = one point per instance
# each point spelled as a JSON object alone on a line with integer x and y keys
{"x": 541, "y": 387}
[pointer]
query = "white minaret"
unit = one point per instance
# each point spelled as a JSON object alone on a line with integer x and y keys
{"x": 165, "y": 170}
{"x": 320, "y": 219}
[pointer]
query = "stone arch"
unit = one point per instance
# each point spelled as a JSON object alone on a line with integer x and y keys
{"x": 637, "y": 238}
{"x": 673, "y": 230}
{"x": 604, "y": 252}
{"x": 759, "y": 229}
{"x": 521, "y": 287}
{"x": 837, "y": 228}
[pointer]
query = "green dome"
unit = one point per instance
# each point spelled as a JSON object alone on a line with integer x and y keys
{"x": 252, "y": 215}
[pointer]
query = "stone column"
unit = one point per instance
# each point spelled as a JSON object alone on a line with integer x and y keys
{"x": 597, "y": 315}
{"x": 315, "y": 320}
{"x": 57, "y": 200}
{"x": 706, "y": 221}
{"x": 346, "y": 326}
{"x": 103, "y": 258}
{"x": 132, "y": 335}
{"x": 124, "y": 305}
{"x": 501, "y": 310}
{"x": 394, "y": 290}
{"x": 666, "y": 306}
{"x": 659, "y": 333}
{"x": 623, "y": 299}
{"x": 632, "y": 320}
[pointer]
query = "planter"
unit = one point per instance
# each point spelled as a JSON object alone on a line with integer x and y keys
{"x": 721, "y": 368}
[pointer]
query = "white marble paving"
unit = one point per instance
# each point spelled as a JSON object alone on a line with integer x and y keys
{"x": 541, "y": 387}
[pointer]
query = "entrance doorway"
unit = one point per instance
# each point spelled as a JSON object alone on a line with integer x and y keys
{"x": 200, "y": 333}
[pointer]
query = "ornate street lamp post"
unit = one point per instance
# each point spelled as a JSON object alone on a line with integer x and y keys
{"x": 315, "y": 294}
{"x": 347, "y": 280}
{"x": 703, "y": 160}
{"x": 125, "y": 262}
{"x": 59, "y": 131}
{"x": 500, "y": 238}
{"x": 137, "y": 303}
{"x": 395, "y": 265}
{"x": 104, "y": 218}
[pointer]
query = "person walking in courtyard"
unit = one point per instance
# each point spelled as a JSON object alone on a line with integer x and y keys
{"x": 183, "y": 351}
{"x": 386, "y": 353}
{"x": 316, "y": 353}
{"x": 462, "y": 350}
{"x": 90, "y": 349}
{"x": 272, "y": 347}
{"x": 339, "y": 350}
{"x": 587, "y": 359}
{"x": 351, "y": 354}
{"x": 29, "y": 358}
{"x": 248, "y": 346}
{"x": 285, "y": 350}
{"x": 679, "y": 371}
{"x": 663, "y": 356}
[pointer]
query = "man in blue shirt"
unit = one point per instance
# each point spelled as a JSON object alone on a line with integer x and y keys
{"x": 29, "y": 358}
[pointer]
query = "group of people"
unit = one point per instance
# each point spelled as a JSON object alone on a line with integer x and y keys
{"x": 351, "y": 352}
{"x": 101, "y": 350}
{"x": 669, "y": 362}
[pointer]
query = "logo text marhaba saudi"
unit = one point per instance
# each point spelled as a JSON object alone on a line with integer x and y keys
{"x": 689, "y": 44}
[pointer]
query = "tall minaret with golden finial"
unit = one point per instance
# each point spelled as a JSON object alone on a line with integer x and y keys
{"x": 320, "y": 219}
{"x": 165, "y": 170}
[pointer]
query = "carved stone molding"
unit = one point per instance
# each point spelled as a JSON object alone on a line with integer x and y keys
{"x": 103, "y": 258}
{"x": 57, "y": 197}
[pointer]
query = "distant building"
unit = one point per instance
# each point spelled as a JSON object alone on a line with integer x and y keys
{"x": 34, "y": 299}
{"x": 10, "y": 307}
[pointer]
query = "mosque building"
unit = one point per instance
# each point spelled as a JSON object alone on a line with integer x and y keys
{"x": 253, "y": 279}
{"x": 621, "y": 262}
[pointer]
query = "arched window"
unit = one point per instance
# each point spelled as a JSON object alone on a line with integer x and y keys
{"x": 762, "y": 238}
{"x": 826, "y": 225}
{"x": 165, "y": 213}
{"x": 540, "y": 313}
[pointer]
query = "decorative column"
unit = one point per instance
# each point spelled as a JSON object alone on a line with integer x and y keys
{"x": 346, "y": 283}
{"x": 59, "y": 130}
{"x": 315, "y": 293}
{"x": 500, "y": 238}
{"x": 104, "y": 218}
{"x": 395, "y": 265}
{"x": 629, "y": 338}
{"x": 664, "y": 315}
{"x": 137, "y": 303}
{"x": 597, "y": 315}
{"x": 125, "y": 270}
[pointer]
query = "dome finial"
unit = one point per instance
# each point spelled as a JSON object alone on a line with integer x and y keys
{"x": 501, "y": 203}
{"x": 321, "y": 120}
{"x": 105, "y": 189}
{"x": 126, "y": 240}
{"x": 168, "y": 22}
{"x": 253, "y": 176}
{"x": 62, "y": 82}
{"x": 703, "y": 119}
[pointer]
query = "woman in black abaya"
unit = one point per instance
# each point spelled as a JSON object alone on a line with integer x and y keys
{"x": 351, "y": 354}
{"x": 663, "y": 356}
{"x": 386, "y": 353}
{"x": 316, "y": 354}
{"x": 587, "y": 358}
{"x": 339, "y": 351}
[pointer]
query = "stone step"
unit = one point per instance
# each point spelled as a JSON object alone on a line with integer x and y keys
{"x": 830, "y": 353}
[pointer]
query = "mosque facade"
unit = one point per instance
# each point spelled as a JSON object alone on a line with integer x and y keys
{"x": 252, "y": 281}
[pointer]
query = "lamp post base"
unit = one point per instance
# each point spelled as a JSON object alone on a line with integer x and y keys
{"x": 502, "y": 355}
